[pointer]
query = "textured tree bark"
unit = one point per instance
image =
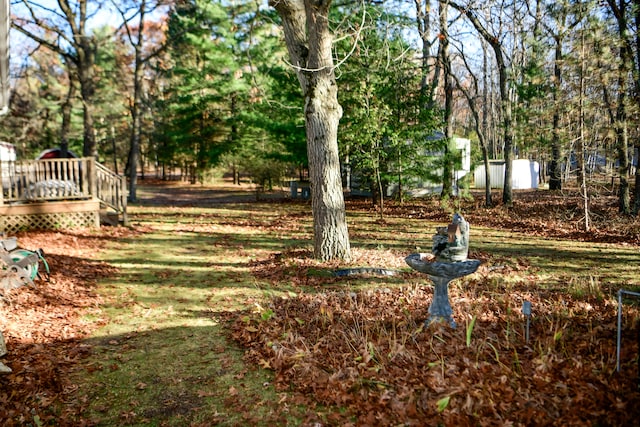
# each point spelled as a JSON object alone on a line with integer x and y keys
{"x": 555, "y": 165}
{"x": 555, "y": 178}
{"x": 625, "y": 64}
{"x": 309, "y": 41}
{"x": 636, "y": 80}
{"x": 134, "y": 147}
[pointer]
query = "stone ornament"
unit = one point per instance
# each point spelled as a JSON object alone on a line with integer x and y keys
{"x": 447, "y": 261}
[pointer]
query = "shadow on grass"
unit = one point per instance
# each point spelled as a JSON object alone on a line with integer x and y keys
{"x": 178, "y": 376}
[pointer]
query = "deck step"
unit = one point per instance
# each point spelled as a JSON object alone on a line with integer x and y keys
{"x": 110, "y": 218}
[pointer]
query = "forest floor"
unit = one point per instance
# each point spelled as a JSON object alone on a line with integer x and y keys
{"x": 333, "y": 351}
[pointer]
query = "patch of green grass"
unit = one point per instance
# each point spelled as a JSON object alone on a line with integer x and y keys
{"x": 163, "y": 358}
{"x": 176, "y": 376}
{"x": 558, "y": 262}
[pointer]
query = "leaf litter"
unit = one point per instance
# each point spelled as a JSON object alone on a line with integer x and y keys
{"x": 44, "y": 326}
{"x": 370, "y": 353}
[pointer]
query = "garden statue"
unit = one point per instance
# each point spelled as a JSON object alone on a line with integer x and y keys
{"x": 447, "y": 261}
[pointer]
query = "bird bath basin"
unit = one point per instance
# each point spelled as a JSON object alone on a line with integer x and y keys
{"x": 448, "y": 261}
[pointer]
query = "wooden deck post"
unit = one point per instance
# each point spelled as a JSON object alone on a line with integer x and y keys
{"x": 93, "y": 190}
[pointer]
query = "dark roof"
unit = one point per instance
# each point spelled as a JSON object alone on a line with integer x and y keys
{"x": 55, "y": 153}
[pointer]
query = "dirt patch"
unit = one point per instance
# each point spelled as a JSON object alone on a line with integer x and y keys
{"x": 182, "y": 194}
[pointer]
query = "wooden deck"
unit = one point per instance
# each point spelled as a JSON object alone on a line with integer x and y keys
{"x": 60, "y": 193}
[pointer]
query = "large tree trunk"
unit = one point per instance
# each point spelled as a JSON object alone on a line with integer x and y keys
{"x": 485, "y": 126}
{"x": 89, "y": 147}
{"x": 309, "y": 42}
{"x": 134, "y": 143}
{"x": 507, "y": 191}
{"x": 85, "y": 58}
{"x": 636, "y": 192}
{"x": 582, "y": 173}
{"x": 621, "y": 125}
{"x": 423, "y": 21}
{"x": 622, "y": 146}
{"x": 621, "y": 115}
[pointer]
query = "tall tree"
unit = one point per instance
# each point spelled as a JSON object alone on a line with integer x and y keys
{"x": 472, "y": 94}
{"x": 582, "y": 175}
{"x": 636, "y": 82}
{"x": 309, "y": 42}
{"x": 195, "y": 72}
{"x": 266, "y": 124}
{"x": 424, "y": 25}
{"x": 621, "y": 10}
{"x": 5, "y": 24}
{"x": 445, "y": 60}
{"x": 566, "y": 17}
{"x": 39, "y": 92}
{"x": 113, "y": 83}
{"x": 145, "y": 47}
{"x": 65, "y": 128}
{"x": 64, "y": 31}
{"x": 376, "y": 79}
{"x": 494, "y": 40}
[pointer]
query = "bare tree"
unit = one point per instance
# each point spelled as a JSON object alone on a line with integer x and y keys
{"x": 484, "y": 127}
{"x": 423, "y": 21}
{"x": 445, "y": 59}
{"x": 566, "y": 18}
{"x": 66, "y": 108}
{"x": 64, "y": 31}
{"x": 474, "y": 97}
{"x": 134, "y": 18}
{"x": 504, "y": 81}
{"x": 309, "y": 42}
{"x": 636, "y": 81}
{"x": 582, "y": 176}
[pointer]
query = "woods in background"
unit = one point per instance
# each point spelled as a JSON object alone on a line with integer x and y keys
{"x": 191, "y": 85}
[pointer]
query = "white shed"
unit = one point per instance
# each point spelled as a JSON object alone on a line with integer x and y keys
{"x": 524, "y": 175}
{"x": 7, "y": 152}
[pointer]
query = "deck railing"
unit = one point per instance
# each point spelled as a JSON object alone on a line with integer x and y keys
{"x": 111, "y": 189}
{"x": 28, "y": 181}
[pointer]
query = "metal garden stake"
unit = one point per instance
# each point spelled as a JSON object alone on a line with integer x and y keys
{"x": 526, "y": 310}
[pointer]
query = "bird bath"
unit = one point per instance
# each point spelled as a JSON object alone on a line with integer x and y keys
{"x": 446, "y": 262}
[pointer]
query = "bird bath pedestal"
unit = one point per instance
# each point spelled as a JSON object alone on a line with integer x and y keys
{"x": 447, "y": 261}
